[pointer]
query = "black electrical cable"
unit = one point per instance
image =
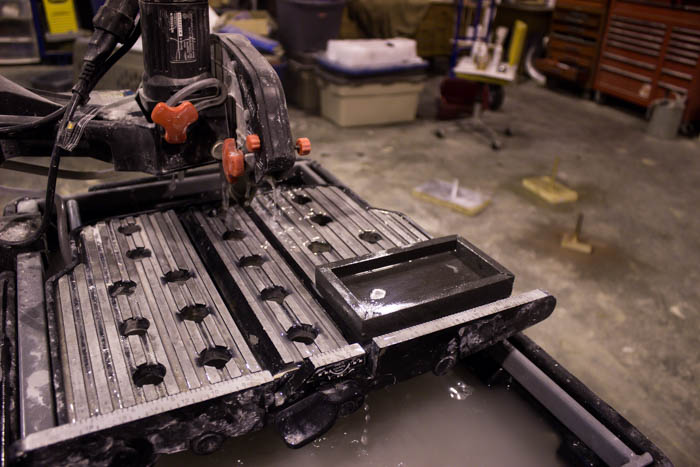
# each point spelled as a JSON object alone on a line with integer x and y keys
{"x": 88, "y": 80}
{"x": 194, "y": 88}
{"x": 58, "y": 113}
{"x": 116, "y": 56}
{"x": 37, "y": 169}
{"x": 45, "y": 120}
{"x": 51, "y": 181}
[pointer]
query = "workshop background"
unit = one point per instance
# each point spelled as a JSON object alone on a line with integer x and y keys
{"x": 561, "y": 138}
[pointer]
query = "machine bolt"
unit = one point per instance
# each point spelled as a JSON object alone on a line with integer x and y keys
{"x": 233, "y": 160}
{"x": 445, "y": 364}
{"x": 303, "y": 146}
{"x": 252, "y": 142}
{"x": 217, "y": 150}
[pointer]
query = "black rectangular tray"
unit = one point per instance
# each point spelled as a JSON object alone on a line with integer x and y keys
{"x": 389, "y": 290}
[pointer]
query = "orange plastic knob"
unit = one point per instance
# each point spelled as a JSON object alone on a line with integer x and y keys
{"x": 252, "y": 143}
{"x": 232, "y": 160}
{"x": 303, "y": 146}
{"x": 175, "y": 120}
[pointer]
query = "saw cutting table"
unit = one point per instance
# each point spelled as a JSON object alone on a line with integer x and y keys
{"x": 180, "y": 323}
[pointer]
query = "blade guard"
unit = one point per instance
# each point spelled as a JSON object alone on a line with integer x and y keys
{"x": 263, "y": 98}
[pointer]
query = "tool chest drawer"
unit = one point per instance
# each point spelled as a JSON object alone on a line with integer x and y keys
{"x": 684, "y": 46}
{"x": 632, "y": 86}
{"x": 651, "y": 51}
{"x": 628, "y": 68}
{"x": 619, "y": 32}
{"x": 663, "y": 90}
{"x": 580, "y": 31}
{"x": 562, "y": 70}
{"x": 577, "y": 18}
{"x": 568, "y": 45}
{"x": 569, "y": 58}
{"x": 652, "y": 28}
{"x": 616, "y": 58}
{"x": 574, "y": 41}
{"x": 629, "y": 35}
{"x": 686, "y": 69}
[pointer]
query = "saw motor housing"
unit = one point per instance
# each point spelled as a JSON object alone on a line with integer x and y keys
{"x": 178, "y": 52}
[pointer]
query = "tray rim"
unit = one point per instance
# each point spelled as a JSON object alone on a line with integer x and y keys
{"x": 339, "y": 297}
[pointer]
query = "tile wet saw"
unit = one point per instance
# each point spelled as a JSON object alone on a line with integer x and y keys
{"x": 170, "y": 313}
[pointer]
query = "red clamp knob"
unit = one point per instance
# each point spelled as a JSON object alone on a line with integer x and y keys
{"x": 303, "y": 146}
{"x": 232, "y": 160}
{"x": 252, "y": 143}
{"x": 175, "y": 120}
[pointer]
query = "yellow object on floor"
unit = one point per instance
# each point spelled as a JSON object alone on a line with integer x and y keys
{"x": 571, "y": 241}
{"x": 547, "y": 187}
{"x": 550, "y": 190}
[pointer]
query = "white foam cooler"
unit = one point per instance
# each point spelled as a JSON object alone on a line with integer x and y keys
{"x": 370, "y": 81}
{"x": 370, "y": 103}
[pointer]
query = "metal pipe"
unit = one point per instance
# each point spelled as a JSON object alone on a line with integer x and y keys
{"x": 455, "y": 44}
{"x": 73, "y": 210}
{"x": 570, "y": 413}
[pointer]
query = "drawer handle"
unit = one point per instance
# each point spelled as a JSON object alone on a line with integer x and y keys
{"x": 671, "y": 87}
{"x": 651, "y": 24}
{"x": 677, "y": 74}
{"x": 642, "y": 29}
{"x": 625, "y": 73}
{"x": 634, "y": 42}
{"x": 692, "y": 32}
{"x": 622, "y": 45}
{"x": 683, "y": 53}
{"x": 636, "y": 35}
{"x": 684, "y": 61}
{"x": 629, "y": 61}
{"x": 685, "y": 38}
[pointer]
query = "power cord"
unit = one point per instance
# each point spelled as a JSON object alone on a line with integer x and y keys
{"x": 50, "y": 182}
{"x": 56, "y": 115}
{"x": 115, "y": 23}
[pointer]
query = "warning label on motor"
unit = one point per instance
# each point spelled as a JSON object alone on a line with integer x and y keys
{"x": 182, "y": 41}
